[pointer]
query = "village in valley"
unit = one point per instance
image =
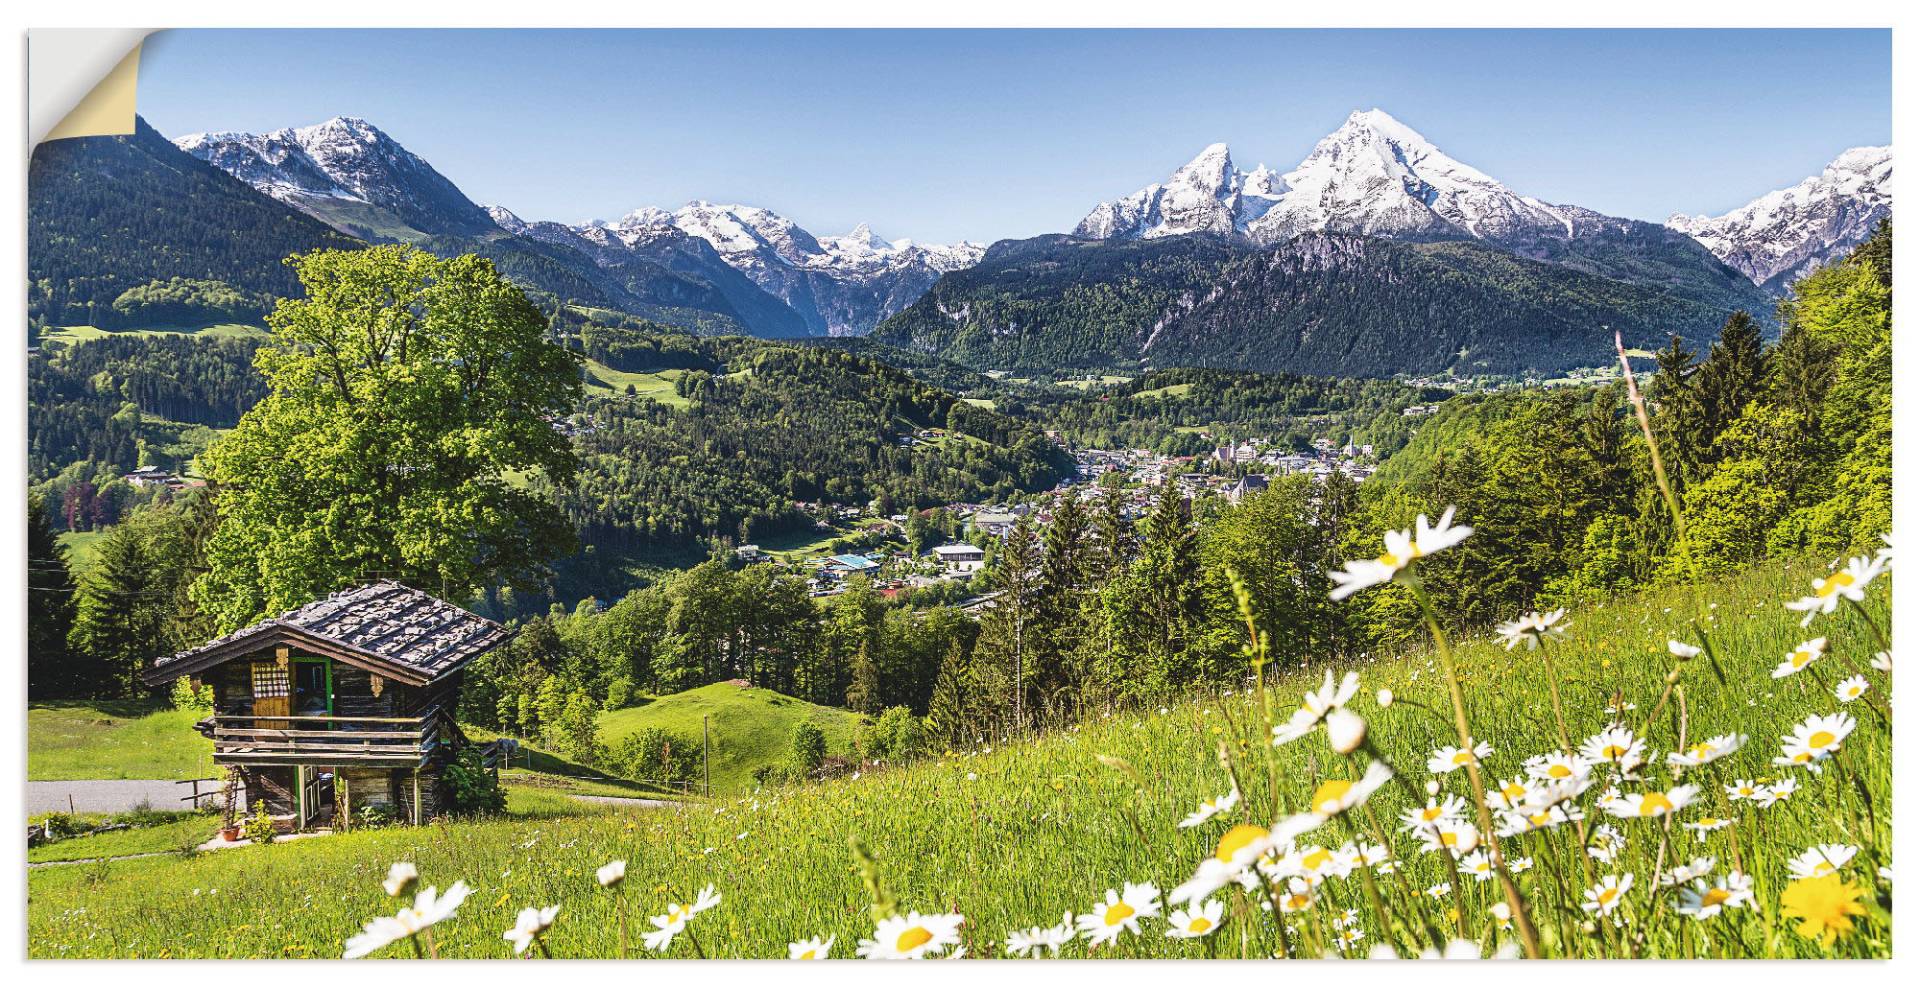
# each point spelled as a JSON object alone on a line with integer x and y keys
{"x": 888, "y": 558}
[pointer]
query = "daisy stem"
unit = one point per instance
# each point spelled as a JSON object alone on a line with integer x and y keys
{"x": 433, "y": 951}
{"x": 620, "y": 910}
{"x": 1553, "y": 688}
{"x": 544, "y": 951}
{"x": 1529, "y": 937}
{"x": 1873, "y": 627}
{"x": 1659, "y": 467}
{"x": 695, "y": 940}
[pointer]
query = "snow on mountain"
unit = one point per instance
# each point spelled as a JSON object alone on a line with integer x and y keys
{"x": 1206, "y": 195}
{"x": 841, "y": 285}
{"x": 1374, "y": 175}
{"x": 1786, "y": 233}
{"x": 348, "y": 174}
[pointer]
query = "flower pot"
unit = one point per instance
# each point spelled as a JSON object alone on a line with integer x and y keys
{"x": 231, "y": 834}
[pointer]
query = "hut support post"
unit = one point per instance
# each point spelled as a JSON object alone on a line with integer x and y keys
{"x": 416, "y": 796}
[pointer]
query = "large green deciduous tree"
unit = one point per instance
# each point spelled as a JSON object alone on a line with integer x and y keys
{"x": 410, "y": 400}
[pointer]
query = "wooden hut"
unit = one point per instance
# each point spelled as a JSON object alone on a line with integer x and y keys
{"x": 344, "y": 703}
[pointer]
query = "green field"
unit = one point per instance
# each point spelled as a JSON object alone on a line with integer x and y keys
{"x": 80, "y": 545}
{"x": 108, "y": 739}
{"x": 749, "y": 727}
{"x": 656, "y": 385}
{"x": 184, "y": 829}
{"x": 80, "y": 334}
{"x": 1015, "y": 834}
{"x": 1169, "y": 391}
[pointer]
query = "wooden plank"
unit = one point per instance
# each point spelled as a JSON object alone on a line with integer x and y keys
{"x": 315, "y": 734}
{"x": 236, "y": 748}
{"x": 422, "y": 718}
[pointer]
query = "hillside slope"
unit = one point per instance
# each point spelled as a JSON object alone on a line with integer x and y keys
{"x": 1321, "y": 303}
{"x": 1013, "y": 835}
{"x": 749, "y": 727}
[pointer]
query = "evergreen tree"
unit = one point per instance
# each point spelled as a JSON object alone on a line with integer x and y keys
{"x": 863, "y": 691}
{"x": 1733, "y": 374}
{"x": 1004, "y": 648}
{"x": 1679, "y": 419}
{"x": 50, "y": 605}
{"x": 1058, "y": 622}
{"x": 950, "y": 713}
{"x": 1113, "y": 541}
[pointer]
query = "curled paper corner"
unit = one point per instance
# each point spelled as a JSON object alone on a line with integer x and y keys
{"x": 83, "y": 82}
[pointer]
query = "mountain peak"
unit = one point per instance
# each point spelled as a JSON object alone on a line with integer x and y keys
{"x": 335, "y": 170}
{"x": 1788, "y": 232}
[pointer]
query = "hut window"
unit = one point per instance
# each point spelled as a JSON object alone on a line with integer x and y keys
{"x": 270, "y": 680}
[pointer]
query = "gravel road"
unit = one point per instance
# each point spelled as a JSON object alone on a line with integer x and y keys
{"x": 107, "y": 796}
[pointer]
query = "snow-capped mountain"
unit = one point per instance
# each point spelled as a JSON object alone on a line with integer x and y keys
{"x": 1784, "y": 234}
{"x": 841, "y": 285}
{"x": 348, "y": 174}
{"x": 1207, "y": 195}
{"x": 1376, "y": 176}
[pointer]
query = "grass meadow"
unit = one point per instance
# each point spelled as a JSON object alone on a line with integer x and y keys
{"x": 1016, "y": 833}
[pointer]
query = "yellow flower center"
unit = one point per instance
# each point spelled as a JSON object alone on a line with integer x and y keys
{"x": 1718, "y": 896}
{"x": 1513, "y": 789}
{"x": 1559, "y": 771}
{"x": 1330, "y": 792}
{"x": 1820, "y": 738}
{"x": 1449, "y": 838}
{"x": 1540, "y": 818}
{"x": 807, "y": 955}
{"x": 1199, "y": 923}
{"x": 913, "y": 938}
{"x": 1608, "y": 894}
{"x": 1613, "y": 752}
{"x": 1654, "y": 803}
{"x": 1296, "y": 902}
{"x": 1823, "y": 868}
{"x": 1463, "y": 757}
{"x": 1236, "y": 839}
{"x": 1800, "y": 658}
{"x": 1700, "y": 750}
{"x": 1430, "y": 813}
{"x": 1118, "y": 912}
{"x": 1316, "y": 860}
{"x": 1708, "y": 823}
{"x": 1834, "y": 583}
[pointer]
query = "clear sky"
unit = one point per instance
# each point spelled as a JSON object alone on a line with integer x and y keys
{"x": 983, "y": 135}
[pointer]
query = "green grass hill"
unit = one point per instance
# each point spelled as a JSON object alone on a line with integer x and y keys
{"x": 750, "y": 727}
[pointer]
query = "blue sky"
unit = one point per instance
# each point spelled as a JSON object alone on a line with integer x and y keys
{"x": 943, "y": 135}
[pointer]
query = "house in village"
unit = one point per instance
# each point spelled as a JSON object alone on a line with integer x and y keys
{"x": 960, "y": 557}
{"x": 341, "y": 704}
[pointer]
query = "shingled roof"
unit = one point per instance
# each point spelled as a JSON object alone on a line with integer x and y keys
{"x": 412, "y": 636}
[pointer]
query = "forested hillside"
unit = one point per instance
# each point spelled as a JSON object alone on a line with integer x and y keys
{"x": 111, "y": 215}
{"x": 766, "y": 425}
{"x": 1320, "y": 303}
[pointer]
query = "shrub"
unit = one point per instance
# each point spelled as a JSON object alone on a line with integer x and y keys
{"x": 809, "y": 747}
{"x": 259, "y": 826}
{"x": 897, "y": 735}
{"x": 471, "y": 789}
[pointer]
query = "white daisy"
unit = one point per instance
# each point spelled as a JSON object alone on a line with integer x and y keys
{"x": 1533, "y": 628}
{"x": 1402, "y": 548}
{"x": 531, "y": 924}
{"x": 1195, "y": 922}
{"x": 1036, "y": 938}
{"x": 1121, "y": 912}
{"x": 1704, "y": 902}
{"x": 1450, "y": 759}
{"x": 1850, "y": 688}
{"x": 1707, "y": 751}
{"x": 1814, "y": 740}
{"x": 1803, "y": 654}
{"x": 1652, "y": 805}
{"x": 1821, "y": 860}
{"x": 1605, "y": 897}
{"x": 1210, "y": 808}
{"x": 1847, "y": 583}
{"x": 912, "y": 937}
{"x": 811, "y": 949}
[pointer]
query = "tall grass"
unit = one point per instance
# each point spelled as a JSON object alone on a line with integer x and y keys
{"x": 1014, "y": 835}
